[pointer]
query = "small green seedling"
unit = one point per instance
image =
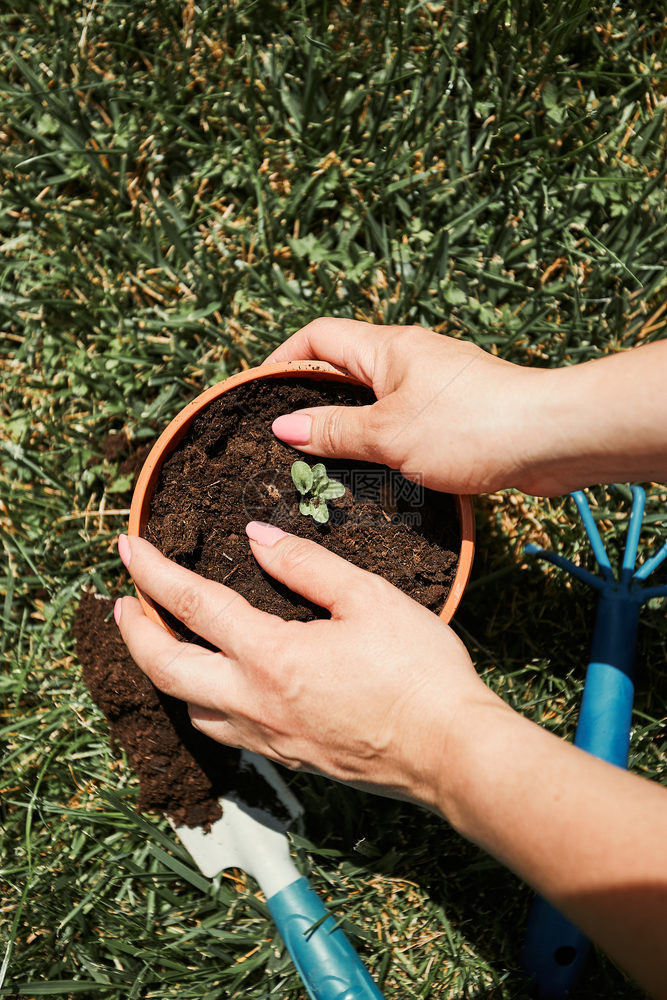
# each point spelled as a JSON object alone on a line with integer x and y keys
{"x": 315, "y": 488}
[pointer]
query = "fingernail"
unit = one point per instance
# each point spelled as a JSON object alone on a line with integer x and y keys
{"x": 292, "y": 428}
{"x": 116, "y": 611}
{"x": 124, "y": 550}
{"x": 264, "y": 534}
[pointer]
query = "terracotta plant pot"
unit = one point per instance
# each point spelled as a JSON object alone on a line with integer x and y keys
{"x": 180, "y": 425}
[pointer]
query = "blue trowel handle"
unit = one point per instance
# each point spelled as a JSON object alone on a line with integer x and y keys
{"x": 326, "y": 961}
{"x": 555, "y": 951}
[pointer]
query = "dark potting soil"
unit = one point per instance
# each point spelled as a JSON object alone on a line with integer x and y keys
{"x": 181, "y": 771}
{"x": 230, "y": 469}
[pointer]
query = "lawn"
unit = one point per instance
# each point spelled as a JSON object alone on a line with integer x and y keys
{"x": 182, "y": 185}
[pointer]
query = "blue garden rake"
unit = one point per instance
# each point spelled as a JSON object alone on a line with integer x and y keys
{"x": 555, "y": 950}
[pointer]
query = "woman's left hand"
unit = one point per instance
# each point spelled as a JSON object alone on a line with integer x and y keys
{"x": 375, "y": 696}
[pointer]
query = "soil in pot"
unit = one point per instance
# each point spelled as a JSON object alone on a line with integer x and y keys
{"x": 230, "y": 469}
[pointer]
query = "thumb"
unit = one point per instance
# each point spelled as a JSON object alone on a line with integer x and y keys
{"x": 307, "y": 568}
{"x": 331, "y": 431}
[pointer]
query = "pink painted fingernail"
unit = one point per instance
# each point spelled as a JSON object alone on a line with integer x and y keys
{"x": 124, "y": 550}
{"x": 264, "y": 534}
{"x": 116, "y": 611}
{"x": 292, "y": 428}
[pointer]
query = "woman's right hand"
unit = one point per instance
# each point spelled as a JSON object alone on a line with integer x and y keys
{"x": 448, "y": 414}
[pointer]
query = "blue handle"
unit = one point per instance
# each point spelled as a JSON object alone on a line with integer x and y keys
{"x": 606, "y": 708}
{"x": 555, "y": 950}
{"x": 326, "y": 961}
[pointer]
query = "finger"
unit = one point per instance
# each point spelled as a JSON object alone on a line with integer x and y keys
{"x": 236, "y": 734}
{"x": 180, "y": 669}
{"x": 349, "y": 343}
{"x": 308, "y": 569}
{"x": 214, "y": 723}
{"x": 331, "y": 431}
{"x": 210, "y": 610}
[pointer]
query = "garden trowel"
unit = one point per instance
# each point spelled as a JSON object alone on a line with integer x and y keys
{"x": 252, "y": 835}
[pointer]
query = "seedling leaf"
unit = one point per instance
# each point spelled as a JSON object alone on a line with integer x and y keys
{"x": 302, "y": 477}
{"x": 319, "y": 472}
{"x": 332, "y": 491}
{"x": 321, "y": 513}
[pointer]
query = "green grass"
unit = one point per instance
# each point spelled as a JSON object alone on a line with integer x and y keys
{"x": 183, "y": 186}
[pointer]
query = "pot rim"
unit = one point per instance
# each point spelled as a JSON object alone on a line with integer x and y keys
{"x": 179, "y": 426}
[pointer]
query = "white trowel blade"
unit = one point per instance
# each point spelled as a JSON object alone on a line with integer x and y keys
{"x": 246, "y": 836}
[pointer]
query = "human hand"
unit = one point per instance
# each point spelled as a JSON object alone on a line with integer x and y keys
{"x": 459, "y": 419}
{"x": 374, "y": 696}
{"x": 448, "y": 413}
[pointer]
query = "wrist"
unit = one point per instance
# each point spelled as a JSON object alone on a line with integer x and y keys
{"x": 556, "y": 448}
{"x": 528, "y": 439}
{"x": 464, "y": 750}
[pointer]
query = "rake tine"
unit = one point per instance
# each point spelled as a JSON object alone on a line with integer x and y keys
{"x": 570, "y": 567}
{"x": 652, "y": 563}
{"x": 594, "y": 535}
{"x": 634, "y": 529}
